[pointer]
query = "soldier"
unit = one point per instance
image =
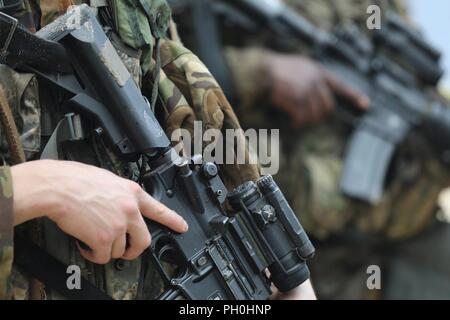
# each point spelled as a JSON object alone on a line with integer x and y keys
{"x": 93, "y": 202}
{"x": 302, "y": 92}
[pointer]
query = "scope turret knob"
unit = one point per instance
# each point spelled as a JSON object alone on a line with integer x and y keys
{"x": 210, "y": 170}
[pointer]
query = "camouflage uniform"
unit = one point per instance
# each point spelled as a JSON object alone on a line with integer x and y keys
{"x": 6, "y": 238}
{"x": 310, "y": 169}
{"x": 187, "y": 92}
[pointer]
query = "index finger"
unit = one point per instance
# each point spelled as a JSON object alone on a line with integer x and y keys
{"x": 342, "y": 90}
{"x": 158, "y": 212}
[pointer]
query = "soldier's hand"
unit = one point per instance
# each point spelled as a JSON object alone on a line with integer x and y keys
{"x": 93, "y": 205}
{"x": 303, "y": 292}
{"x": 305, "y": 90}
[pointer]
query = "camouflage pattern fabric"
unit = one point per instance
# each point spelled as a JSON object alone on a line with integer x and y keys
{"x": 135, "y": 22}
{"x": 6, "y": 231}
{"x": 52, "y": 9}
{"x": 21, "y": 91}
{"x": 199, "y": 89}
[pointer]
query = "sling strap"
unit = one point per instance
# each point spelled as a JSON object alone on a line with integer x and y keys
{"x": 10, "y": 130}
{"x": 69, "y": 128}
{"x": 37, "y": 263}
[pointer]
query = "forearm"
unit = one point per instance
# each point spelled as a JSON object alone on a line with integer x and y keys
{"x": 32, "y": 188}
{"x": 248, "y": 73}
{"x": 19, "y": 202}
{"x": 303, "y": 292}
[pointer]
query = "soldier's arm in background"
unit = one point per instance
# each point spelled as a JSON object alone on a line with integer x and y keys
{"x": 291, "y": 82}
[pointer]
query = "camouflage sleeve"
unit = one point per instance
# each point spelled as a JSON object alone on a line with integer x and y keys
{"x": 6, "y": 231}
{"x": 192, "y": 94}
{"x": 247, "y": 71}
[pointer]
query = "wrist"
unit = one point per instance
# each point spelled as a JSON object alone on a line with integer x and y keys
{"x": 34, "y": 193}
{"x": 305, "y": 291}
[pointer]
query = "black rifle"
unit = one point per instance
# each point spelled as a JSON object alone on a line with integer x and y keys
{"x": 392, "y": 68}
{"x": 221, "y": 256}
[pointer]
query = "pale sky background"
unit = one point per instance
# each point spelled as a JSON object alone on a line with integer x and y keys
{"x": 433, "y": 16}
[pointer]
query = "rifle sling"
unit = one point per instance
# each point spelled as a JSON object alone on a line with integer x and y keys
{"x": 37, "y": 263}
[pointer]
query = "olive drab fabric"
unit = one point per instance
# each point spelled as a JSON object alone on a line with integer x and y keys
{"x": 139, "y": 22}
{"x": 187, "y": 92}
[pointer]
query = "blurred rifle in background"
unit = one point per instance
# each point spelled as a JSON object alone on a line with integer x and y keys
{"x": 394, "y": 66}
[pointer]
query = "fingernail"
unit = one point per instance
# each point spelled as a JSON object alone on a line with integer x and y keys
{"x": 185, "y": 227}
{"x": 365, "y": 102}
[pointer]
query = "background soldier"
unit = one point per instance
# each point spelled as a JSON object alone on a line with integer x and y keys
{"x": 276, "y": 88}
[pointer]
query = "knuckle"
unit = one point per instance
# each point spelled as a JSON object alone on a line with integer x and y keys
{"x": 134, "y": 187}
{"x": 147, "y": 241}
{"x": 102, "y": 260}
{"x": 140, "y": 246}
{"x": 104, "y": 238}
{"x": 143, "y": 245}
{"x": 130, "y": 255}
{"x": 119, "y": 227}
{"x": 129, "y": 206}
{"x": 116, "y": 255}
{"x": 159, "y": 210}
